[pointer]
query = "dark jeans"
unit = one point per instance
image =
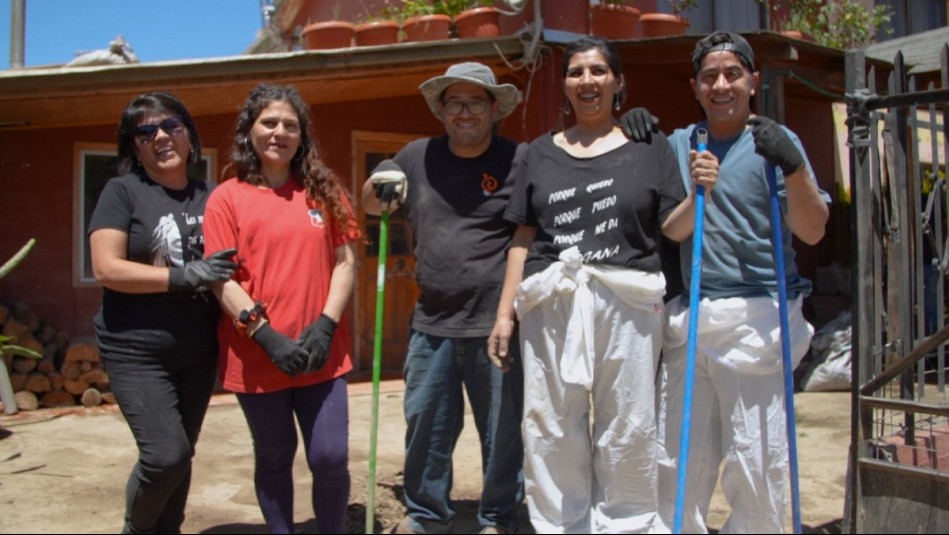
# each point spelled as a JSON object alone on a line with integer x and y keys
{"x": 164, "y": 399}
{"x": 435, "y": 370}
{"x": 322, "y": 410}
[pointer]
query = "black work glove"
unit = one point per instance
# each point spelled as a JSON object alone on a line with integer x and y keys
{"x": 288, "y": 356}
{"x": 316, "y": 339}
{"x": 775, "y": 145}
{"x": 197, "y": 273}
{"x": 638, "y": 124}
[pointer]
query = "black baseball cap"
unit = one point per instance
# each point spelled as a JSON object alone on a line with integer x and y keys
{"x": 725, "y": 42}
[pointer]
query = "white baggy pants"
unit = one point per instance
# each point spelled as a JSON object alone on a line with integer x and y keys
{"x": 590, "y": 331}
{"x": 737, "y": 414}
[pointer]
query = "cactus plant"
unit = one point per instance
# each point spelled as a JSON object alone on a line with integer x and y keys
{"x": 6, "y": 347}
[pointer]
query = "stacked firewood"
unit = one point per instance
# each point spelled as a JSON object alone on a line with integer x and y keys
{"x": 69, "y": 373}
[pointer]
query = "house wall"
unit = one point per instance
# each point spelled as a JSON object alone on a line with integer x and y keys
{"x": 37, "y": 172}
{"x": 36, "y": 168}
{"x": 813, "y": 122}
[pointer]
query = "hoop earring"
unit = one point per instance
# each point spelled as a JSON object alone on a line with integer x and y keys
{"x": 567, "y": 108}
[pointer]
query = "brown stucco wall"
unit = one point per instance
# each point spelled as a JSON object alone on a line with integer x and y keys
{"x": 37, "y": 174}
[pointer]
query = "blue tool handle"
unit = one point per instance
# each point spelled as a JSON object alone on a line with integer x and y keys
{"x": 694, "y": 290}
{"x": 778, "y": 244}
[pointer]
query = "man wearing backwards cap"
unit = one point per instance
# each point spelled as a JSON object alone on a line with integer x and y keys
{"x": 738, "y": 396}
{"x": 456, "y": 188}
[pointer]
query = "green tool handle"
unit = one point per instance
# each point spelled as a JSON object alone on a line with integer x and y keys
{"x": 377, "y": 367}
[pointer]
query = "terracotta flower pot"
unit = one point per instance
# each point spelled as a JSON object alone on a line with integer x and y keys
{"x": 328, "y": 34}
{"x": 478, "y": 22}
{"x": 380, "y": 32}
{"x": 427, "y": 28}
{"x": 796, "y": 34}
{"x": 662, "y": 24}
{"x": 614, "y": 22}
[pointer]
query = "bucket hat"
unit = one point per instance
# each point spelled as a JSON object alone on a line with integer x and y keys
{"x": 506, "y": 95}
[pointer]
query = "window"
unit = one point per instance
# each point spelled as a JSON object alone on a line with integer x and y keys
{"x": 722, "y": 15}
{"x": 913, "y": 16}
{"x": 95, "y": 164}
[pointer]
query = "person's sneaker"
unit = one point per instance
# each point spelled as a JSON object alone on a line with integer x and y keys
{"x": 404, "y": 526}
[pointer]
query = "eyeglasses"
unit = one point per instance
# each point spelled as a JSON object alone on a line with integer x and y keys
{"x": 475, "y": 107}
{"x": 146, "y": 133}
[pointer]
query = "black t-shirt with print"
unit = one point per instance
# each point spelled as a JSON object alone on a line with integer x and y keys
{"x": 456, "y": 208}
{"x": 610, "y": 206}
{"x": 164, "y": 229}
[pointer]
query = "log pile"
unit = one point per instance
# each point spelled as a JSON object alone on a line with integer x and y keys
{"x": 70, "y": 372}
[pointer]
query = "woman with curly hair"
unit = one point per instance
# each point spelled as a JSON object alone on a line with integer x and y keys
{"x": 283, "y": 349}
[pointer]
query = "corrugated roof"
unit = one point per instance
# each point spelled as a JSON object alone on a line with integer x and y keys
{"x": 920, "y": 50}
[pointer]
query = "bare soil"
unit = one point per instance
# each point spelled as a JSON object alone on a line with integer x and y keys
{"x": 64, "y": 471}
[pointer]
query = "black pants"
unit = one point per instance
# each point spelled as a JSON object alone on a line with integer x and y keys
{"x": 164, "y": 399}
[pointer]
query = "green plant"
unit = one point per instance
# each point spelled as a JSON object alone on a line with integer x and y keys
{"x": 7, "y": 347}
{"x": 841, "y": 24}
{"x": 387, "y": 10}
{"x": 678, "y": 6}
{"x": 415, "y": 8}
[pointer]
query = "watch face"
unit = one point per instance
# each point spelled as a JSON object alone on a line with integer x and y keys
{"x": 245, "y": 317}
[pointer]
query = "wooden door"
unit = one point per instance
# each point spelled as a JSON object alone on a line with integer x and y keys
{"x": 400, "y": 290}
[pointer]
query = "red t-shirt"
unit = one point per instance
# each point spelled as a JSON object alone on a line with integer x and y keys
{"x": 286, "y": 258}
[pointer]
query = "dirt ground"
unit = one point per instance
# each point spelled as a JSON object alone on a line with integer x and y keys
{"x": 64, "y": 471}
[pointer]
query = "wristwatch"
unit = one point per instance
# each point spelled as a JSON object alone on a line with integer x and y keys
{"x": 249, "y": 316}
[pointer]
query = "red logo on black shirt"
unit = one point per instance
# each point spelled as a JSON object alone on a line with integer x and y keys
{"x": 489, "y": 184}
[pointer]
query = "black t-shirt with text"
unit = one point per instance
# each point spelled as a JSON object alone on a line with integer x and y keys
{"x": 610, "y": 206}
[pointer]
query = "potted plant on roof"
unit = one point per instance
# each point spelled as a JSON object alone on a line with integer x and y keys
{"x": 380, "y": 27}
{"x": 476, "y": 18}
{"x": 663, "y": 24}
{"x": 425, "y": 20}
{"x": 614, "y": 19}
{"x": 328, "y": 34}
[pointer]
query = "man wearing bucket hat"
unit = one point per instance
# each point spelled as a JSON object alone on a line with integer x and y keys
{"x": 456, "y": 188}
{"x": 737, "y": 411}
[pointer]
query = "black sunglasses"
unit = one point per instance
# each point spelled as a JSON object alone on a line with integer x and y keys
{"x": 146, "y": 133}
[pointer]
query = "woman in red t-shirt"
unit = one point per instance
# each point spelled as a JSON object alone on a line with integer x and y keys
{"x": 283, "y": 349}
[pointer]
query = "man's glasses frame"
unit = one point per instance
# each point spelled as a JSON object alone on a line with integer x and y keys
{"x": 475, "y": 106}
{"x": 146, "y": 133}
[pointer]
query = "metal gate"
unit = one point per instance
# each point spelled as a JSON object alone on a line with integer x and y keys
{"x": 898, "y": 475}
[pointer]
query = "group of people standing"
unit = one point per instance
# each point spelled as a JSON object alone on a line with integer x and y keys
{"x": 542, "y": 297}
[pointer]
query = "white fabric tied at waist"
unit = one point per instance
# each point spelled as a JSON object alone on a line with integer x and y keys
{"x": 742, "y": 333}
{"x": 635, "y": 288}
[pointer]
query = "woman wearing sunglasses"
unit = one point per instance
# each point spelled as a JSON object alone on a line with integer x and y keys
{"x": 284, "y": 350}
{"x": 156, "y": 325}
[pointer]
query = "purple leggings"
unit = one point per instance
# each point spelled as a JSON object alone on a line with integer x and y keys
{"x": 322, "y": 411}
